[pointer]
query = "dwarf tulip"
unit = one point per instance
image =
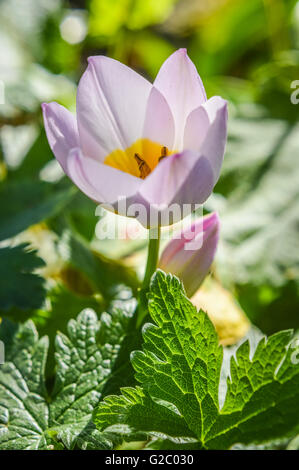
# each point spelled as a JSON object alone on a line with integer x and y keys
{"x": 149, "y": 145}
{"x": 190, "y": 255}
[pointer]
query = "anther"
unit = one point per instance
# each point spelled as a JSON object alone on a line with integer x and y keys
{"x": 143, "y": 166}
{"x": 164, "y": 152}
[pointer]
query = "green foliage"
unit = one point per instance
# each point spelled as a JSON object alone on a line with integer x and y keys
{"x": 261, "y": 201}
{"x": 24, "y": 410}
{"x": 30, "y": 202}
{"x": 246, "y": 52}
{"x": 101, "y": 274}
{"x": 30, "y": 417}
{"x": 61, "y": 306}
{"x": 260, "y": 218}
{"x": 38, "y": 155}
{"x": 179, "y": 372}
{"x": 122, "y": 14}
{"x": 19, "y": 287}
{"x": 80, "y": 216}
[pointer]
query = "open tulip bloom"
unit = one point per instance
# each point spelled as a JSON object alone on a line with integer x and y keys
{"x": 139, "y": 148}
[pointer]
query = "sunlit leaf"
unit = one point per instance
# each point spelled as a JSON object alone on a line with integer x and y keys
{"x": 27, "y": 419}
{"x": 179, "y": 372}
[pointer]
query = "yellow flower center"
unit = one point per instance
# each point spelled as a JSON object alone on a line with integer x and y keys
{"x": 139, "y": 159}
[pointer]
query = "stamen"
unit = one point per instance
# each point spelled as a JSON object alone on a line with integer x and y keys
{"x": 143, "y": 166}
{"x": 164, "y": 152}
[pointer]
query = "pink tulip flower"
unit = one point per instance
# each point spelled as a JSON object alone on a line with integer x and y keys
{"x": 151, "y": 144}
{"x": 191, "y": 254}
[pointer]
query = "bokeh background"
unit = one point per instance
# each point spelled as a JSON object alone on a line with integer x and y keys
{"x": 245, "y": 51}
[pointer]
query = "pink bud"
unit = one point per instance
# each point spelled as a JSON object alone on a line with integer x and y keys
{"x": 190, "y": 255}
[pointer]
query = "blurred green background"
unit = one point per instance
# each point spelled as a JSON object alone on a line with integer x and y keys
{"x": 245, "y": 51}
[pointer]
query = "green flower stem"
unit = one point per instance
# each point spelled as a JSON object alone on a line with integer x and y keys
{"x": 152, "y": 256}
{"x": 151, "y": 266}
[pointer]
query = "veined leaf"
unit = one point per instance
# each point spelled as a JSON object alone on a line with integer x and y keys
{"x": 29, "y": 418}
{"x": 179, "y": 373}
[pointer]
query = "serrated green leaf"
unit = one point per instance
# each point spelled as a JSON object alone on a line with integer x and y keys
{"x": 29, "y": 418}
{"x": 61, "y": 306}
{"x": 179, "y": 372}
{"x": 19, "y": 286}
{"x": 24, "y": 410}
